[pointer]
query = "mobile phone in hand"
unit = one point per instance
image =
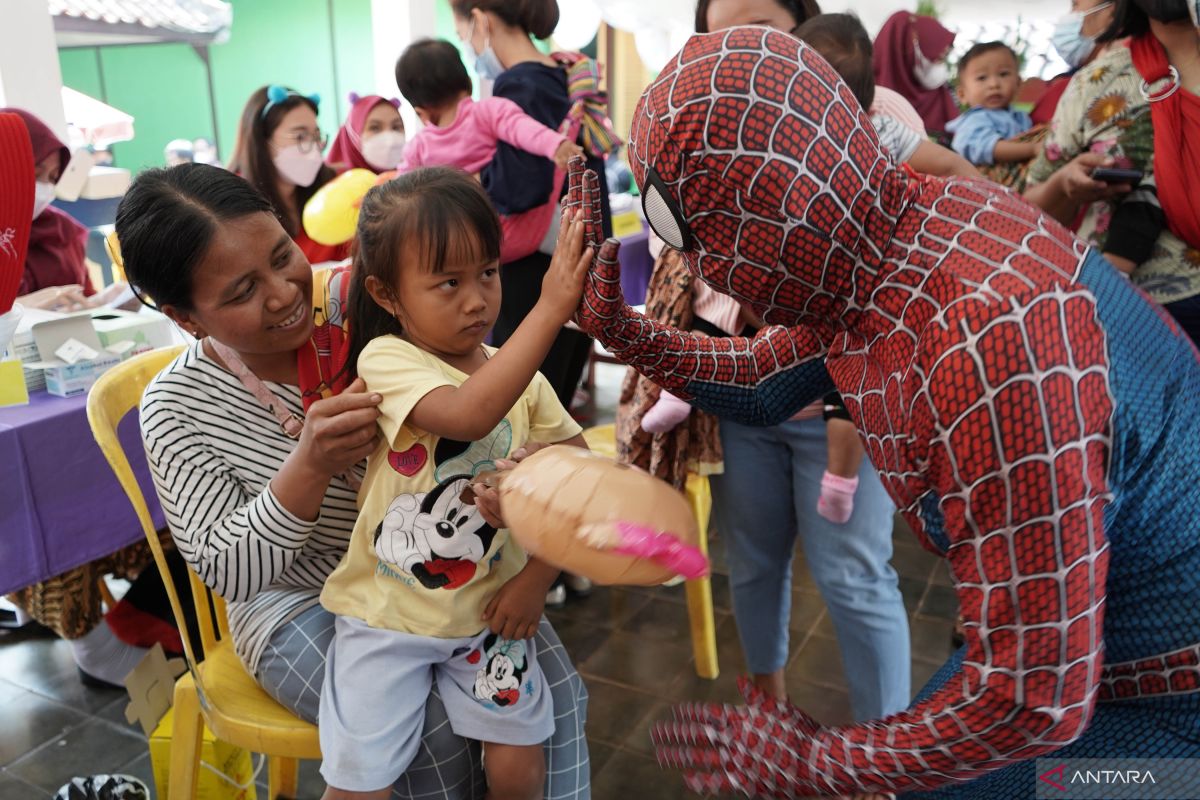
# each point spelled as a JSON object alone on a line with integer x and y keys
{"x": 1113, "y": 175}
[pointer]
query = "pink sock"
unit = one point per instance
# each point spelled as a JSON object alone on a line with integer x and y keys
{"x": 664, "y": 415}
{"x": 837, "y": 497}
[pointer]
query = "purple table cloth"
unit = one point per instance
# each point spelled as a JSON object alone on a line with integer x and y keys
{"x": 60, "y": 504}
{"x": 636, "y": 266}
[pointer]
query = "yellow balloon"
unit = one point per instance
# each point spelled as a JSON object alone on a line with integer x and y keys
{"x": 331, "y": 215}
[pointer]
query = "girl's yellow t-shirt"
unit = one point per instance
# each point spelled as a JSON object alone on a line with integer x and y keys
{"x": 422, "y": 559}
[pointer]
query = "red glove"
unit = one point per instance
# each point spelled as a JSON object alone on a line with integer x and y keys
{"x": 762, "y": 749}
{"x": 583, "y": 193}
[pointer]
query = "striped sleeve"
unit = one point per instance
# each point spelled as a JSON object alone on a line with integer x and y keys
{"x": 239, "y": 542}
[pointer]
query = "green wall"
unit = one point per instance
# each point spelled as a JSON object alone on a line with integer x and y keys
{"x": 165, "y": 87}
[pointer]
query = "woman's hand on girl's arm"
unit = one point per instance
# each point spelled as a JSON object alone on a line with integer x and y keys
{"x": 516, "y": 609}
{"x": 338, "y": 433}
{"x": 470, "y": 411}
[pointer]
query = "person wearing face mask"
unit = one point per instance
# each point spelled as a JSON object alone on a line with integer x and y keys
{"x": 1134, "y": 107}
{"x": 910, "y": 58}
{"x": 372, "y": 137}
{"x": 1075, "y": 40}
{"x": 499, "y": 33}
{"x": 56, "y": 274}
{"x": 279, "y": 151}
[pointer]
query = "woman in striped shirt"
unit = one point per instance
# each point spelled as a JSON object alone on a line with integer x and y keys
{"x": 263, "y": 511}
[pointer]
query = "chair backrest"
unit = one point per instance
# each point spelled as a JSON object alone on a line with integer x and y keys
{"x": 114, "y": 395}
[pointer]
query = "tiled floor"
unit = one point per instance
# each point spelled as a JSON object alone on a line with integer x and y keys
{"x": 630, "y": 645}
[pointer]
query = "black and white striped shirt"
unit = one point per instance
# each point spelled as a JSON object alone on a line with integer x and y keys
{"x": 213, "y": 450}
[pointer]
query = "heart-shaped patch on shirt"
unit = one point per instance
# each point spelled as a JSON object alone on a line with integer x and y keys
{"x": 409, "y": 462}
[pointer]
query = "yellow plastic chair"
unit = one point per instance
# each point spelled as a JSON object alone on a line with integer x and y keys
{"x": 602, "y": 439}
{"x": 218, "y": 690}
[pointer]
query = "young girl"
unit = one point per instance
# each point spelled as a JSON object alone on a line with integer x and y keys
{"x": 432, "y": 584}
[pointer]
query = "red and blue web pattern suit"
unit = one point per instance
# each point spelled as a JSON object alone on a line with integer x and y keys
{"x": 1035, "y": 418}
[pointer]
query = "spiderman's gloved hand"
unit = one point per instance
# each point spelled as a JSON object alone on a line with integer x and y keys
{"x": 583, "y": 194}
{"x": 602, "y": 312}
{"x": 761, "y": 749}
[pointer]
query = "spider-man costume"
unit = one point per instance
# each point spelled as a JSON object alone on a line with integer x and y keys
{"x": 1035, "y": 418}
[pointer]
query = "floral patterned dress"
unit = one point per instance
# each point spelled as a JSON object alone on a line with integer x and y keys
{"x": 1103, "y": 111}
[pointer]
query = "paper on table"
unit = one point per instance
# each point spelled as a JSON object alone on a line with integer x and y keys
{"x": 13, "y": 391}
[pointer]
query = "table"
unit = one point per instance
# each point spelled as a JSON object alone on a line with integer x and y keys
{"x": 60, "y": 504}
{"x": 636, "y": 267}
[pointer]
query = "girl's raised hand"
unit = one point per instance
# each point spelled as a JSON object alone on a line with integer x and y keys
{"x": 562, "y": 286}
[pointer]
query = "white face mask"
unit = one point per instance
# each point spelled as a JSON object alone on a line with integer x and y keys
{"x": 384, "y": 150}
{"x": 43, "y": 193}
{"x": 1068, "y": 38}
{"x": 931, "y": 75}
{"x": 297, "y": 167}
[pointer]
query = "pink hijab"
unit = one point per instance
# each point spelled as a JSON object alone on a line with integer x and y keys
{"x": 895, "y": 62}
{"x": 57, "y": 243}
{"x": 346, "y": 151}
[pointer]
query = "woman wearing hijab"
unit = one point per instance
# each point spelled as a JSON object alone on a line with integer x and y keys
{"x": 55, "y": 272}
{"x": 910, "y": 56}
{"x": 372, "y": 137}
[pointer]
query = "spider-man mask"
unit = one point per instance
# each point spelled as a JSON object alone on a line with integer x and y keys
{"x": 755, "y": 160}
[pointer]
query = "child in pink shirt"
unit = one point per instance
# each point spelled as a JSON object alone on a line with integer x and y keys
{"x": 461, "y": 132}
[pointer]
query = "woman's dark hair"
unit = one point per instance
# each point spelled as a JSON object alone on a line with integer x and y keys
{"x": 801, "y": 10}
{"x": 430, "y": 73}
{"x": 251, "y": 156}
{"x": 843, "y": 41}
{"x": 426, "y": 218}
{"x": 167, "y": 220}
{"x": 1132, "y": 17}
{"x": 536, "y": 17}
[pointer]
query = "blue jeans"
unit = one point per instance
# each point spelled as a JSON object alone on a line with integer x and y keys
{"x": 766, "y": 497}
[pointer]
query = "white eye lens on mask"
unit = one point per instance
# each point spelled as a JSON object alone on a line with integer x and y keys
{"x": 43, "y": 194}
{"x": 663, "y": 214}
{"x": 298, "y": 167}
{"x": 1194, "y": 10}
{"x": 384, "y": 150}
{"x": 930, "y": 74}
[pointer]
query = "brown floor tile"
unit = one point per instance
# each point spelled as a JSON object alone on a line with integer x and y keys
{"x": 827, "y": 706}
{"x": 614, "y": 712}
{"x": 930, "y": 637}
{"x": 31, "y": 720}
{"x": 665, "y": 621}
{"x": 912, "y": 590}
{"x": 922, "y": 671}
{"x": 599, "y": 754}
{"x": 581, "y": 638}
{"x": 940, "y": 601}
{"x": 606, "y": 606}
{"x": 818, "y": 660}
{"x": 914, "y": 561}
{"x": 631, "y": 776}
{"x": 638, "y": 662}
{"x": 82, "y": 750}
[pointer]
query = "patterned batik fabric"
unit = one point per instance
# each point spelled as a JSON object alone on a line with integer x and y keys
{"x": 693, "y": 446}
{"x": 1030, "y": 412}
{"x": 1103, "y": 111}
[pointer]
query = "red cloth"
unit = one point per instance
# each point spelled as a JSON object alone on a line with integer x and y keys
{"x": 319, "y": 253}
{"x": 895, "y": 61}
{"x": 57, "y": 243}
{"x": 346, "y": 151}
{"x": 1043, "y": 109}
{"x": 322, "y": 359}
{"x": 1176, "y": 121}
{"x": 16, "y": 205}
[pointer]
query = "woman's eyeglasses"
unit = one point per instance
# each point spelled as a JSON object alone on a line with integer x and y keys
{"x": 305, "y": 141}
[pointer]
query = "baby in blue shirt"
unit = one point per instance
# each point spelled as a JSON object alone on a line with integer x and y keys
{"x": 988, "y": 78}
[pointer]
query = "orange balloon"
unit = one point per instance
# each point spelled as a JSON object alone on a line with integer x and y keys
{"x": 591, "y": 516}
